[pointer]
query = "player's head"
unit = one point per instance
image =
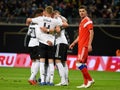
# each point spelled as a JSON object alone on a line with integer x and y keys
{"x": 83, "y": 11}
{"x": 38, "y": 12}
{"x": 49, "y": 10}
{"x": 56, "y": 13}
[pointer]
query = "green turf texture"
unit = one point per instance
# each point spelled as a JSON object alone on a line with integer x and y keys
{"x": 17, "y": 79}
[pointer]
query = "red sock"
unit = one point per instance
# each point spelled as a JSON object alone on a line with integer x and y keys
{"x": 86, "y": 74}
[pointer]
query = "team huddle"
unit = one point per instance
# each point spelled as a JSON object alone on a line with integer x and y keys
{"x": 48, "y": 46}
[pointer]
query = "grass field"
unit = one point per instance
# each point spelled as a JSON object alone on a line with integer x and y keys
{"x": 16, "y": 79}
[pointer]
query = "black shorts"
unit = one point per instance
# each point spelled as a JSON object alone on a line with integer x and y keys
{"x": 46, "y": 51}
{"x": 34, "y": 52}
{"x": 61, "y": 51}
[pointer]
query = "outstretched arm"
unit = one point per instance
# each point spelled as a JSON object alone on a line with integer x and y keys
{"x": 73, "y": 43}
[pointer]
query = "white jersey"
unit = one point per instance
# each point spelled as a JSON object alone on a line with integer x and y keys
{"x": 62, "y": 38}
{"x": 32, "y": 31}
{"x": 49, "y": 23}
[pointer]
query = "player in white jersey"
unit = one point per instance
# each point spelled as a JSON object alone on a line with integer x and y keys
{"x": 46, "y": 42}
{"x": 61, "y": 45}
{"x": 33, "y": 47}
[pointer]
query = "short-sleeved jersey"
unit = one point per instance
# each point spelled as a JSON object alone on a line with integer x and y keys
{"x": 49, "y": 23}
{"x": 61, "y": 37}
{"x": 32, "y": 31}
{"x": 84, "y": 27}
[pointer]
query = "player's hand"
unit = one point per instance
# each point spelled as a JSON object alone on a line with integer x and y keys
{"x": 81, "y": 59}
{"x": 49, "y": 43}
{"x": 57, "y": 29}
{"x": 44, "y": 29}
{"x": 89, "y": 48}
{"x": 71, "y": 46}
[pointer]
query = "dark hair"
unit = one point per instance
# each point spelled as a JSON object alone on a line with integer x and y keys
{"x": 38, "y": 11}
{"x": 83, "y": 7}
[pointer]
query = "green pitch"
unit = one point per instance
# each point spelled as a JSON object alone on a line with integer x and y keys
{"x": 16, "y": 79}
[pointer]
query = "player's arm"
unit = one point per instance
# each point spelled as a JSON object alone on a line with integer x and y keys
{"x": 46, "y": 30}
{"x": 34, "y": 20}
{"x": 28, "y": 21}
{"x": 64, "y": 21}
{"x": 56, "y": 29}
{"x": 73, "y": 43}
{"x": 90, "y": 40}
{"x": 65, "y": 24}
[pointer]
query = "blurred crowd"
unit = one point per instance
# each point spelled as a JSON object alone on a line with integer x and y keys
{"x": 106, "y": 9}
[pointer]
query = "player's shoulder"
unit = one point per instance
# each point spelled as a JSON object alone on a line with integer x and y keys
{"x": 47, "y": 19}
{"x": 37, "y": 18}
{"x": 88, "y": 19}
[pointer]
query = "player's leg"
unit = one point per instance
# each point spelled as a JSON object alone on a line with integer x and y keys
{"x": 51, "y": 71}
{"x": 37, "y": 62}
{"x": 66, "y": 72}
{"x": 61, "y": 71}
{"x": 59, "y": 55}
{"x": 81, "y": 64}
{"x": 32, "y": 79}
{"x": 36, "y": 68}
{"x": 64, "y": 62}
{"x": 51, "y": 63}
{"x": 42, "y": 71}
{"x": 32, "y": 76}
{"x": 47, "y": 72}
{"x": 42, "y": 55}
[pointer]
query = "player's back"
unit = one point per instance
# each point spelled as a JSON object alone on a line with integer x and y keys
{"x": 32, "y": 31}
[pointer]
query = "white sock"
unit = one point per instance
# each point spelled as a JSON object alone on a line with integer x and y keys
{"x": 51, "y": 69}
{"x": 42, "y": 71}
{"x": 66, "y": 72}
{"x": 32, "y": 66}
{"x": 61, "y": 72}
{"x": 47, "y": 72}
{"x": 32, "y": 71}
{"x": 36, "y": 68}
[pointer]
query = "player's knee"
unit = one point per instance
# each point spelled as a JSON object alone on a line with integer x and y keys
{"x": 81, "y": 66}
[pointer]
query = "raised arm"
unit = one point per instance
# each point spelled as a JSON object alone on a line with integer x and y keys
{"x": 28, "y": 21}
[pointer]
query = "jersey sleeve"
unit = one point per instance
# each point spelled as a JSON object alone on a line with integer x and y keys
{"x": 90, "y": 26}
{"x": 59, "y": 22}
{"x": 36, "y": 20}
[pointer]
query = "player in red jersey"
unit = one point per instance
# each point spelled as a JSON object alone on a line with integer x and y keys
{"x": 84, "y": 40}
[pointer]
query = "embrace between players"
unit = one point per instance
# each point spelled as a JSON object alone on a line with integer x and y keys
{"x": 48, "y": 47}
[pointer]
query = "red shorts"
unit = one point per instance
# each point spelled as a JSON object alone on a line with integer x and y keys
{"x": 82, "y": 56}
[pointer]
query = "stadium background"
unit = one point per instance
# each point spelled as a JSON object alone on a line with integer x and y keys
{"x": 106, "y": 18}
{"x": 104, "y": 13}
{"x": 105, "y": 43}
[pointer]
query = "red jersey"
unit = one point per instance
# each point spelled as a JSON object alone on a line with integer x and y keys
{"x": 85, "y": 25}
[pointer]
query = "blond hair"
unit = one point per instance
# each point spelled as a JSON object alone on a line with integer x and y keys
{"x": 49, "y": 9}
